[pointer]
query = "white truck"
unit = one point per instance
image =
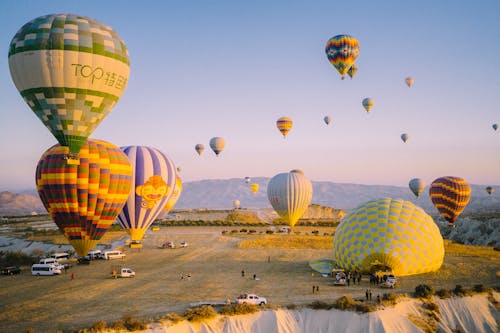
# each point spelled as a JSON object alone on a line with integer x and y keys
{"x": 123, "y": 273}
{"x": 251, "y": 299}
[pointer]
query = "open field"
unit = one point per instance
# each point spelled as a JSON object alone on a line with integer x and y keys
{"x": 215, "y": 262}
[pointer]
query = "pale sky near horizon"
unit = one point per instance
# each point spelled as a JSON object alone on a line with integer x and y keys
{"x": 201, "y": 69}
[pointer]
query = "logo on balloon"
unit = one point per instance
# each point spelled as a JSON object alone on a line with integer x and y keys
{"x": 110, "y": 78}
{"x": 152, "y": 191}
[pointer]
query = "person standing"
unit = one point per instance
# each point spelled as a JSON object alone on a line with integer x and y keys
{"x": 72, "y": 275}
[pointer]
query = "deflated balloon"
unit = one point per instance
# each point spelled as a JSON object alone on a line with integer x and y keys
{"x": 290, "y": 194}
{"x": 254, "y": 188}
{"x": 199, "y": 148}
{"x": 217, "y": 144}
{"x": 417, "y": 186}
{"x": 450, "y": 195}
{"x": 284, "y": 125}
{"x": 71, "y": 70}
{"x": 489, "y": 189}
{"x": 176, "y": 194}
{"x": 342, "y": 51}
{"x": 405, "y": 137}
{"x": 409, "y": 81}
{"x": 153, "y": 184}
{"x": 352, "y": 71}
{"x": 84, "y": 199}
{"x": 327, "y": 120}
{"x": 368, "y": 104}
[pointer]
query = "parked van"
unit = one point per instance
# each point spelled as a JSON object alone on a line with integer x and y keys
{"x": 112, "y": 255}
{"x": 94, "y": 254}
{"x": 44, "y": 269}
{"x": 48, "y": 261}
{"x": 60, "y": 256}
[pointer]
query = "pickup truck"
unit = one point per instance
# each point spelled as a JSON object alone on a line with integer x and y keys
{"x": 123, "y": 273}
{"x": 251, "y": 299}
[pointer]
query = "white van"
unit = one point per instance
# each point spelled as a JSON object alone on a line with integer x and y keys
{"x": 60, "y": 256}
{"x": 94, "y": 254}
{"x": 44, "y": 269}
{"x": 112, "y": 255}
{"x": 51, "y": 261}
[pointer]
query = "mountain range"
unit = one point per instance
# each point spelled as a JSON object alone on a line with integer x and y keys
{"x": 220, "y": 194}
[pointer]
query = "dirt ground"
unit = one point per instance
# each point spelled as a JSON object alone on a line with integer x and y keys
{"x": 215, "y": 262}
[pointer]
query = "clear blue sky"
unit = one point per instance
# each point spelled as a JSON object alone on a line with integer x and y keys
{"x": 231, "y": 68}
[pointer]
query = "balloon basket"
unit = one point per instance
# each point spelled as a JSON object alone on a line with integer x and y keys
{"x": 135, "y": 245}
{"x": 72, "y": 159}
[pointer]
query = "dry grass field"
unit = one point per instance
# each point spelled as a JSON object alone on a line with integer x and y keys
{"x": 215, "y": 262}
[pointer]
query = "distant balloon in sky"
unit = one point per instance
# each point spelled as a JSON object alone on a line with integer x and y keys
{"x": 409, "y": 81}
{"x": 84, "y": 199}
{"x": 153, "y": 184}
{"x": 327, "y": 120}
{"x": 247, "y": 179}
{"x": 342, "y": 51}
{"x": 368, "y": 104}
{"x": 217, "y": 144}
{"x": 290, "y": 194}
{"x": 489, "y": 189}
{"x": 495, "y": 126}
{"x": 236, "y": 204}
{"x": 254, "y": 187}
{"x": 352, "y": 71}
{"x": 284, "y": 125}
{"x": 199, "y": 148}
{"x": 450, "y": 195}
{"x": 71, "y": 70}
{"x": 417, "y": 186}
{"x": 405, "y": 137}
{"x": 179, "y": 169}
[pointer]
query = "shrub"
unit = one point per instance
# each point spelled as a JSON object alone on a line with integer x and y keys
{"x": 424, "y": 291}
{"x": 200, "y": 313}
{"x": 443, "y": 293}
{"x": 479, "y": 288}
{"x": 252, "y": 231}
{"x": 431, "y": 306}
{"x": 364, "y": 307}
{"x": 118, "y": 326}
{"x": 243, "y": 230}
{"x": 344, "y": 303}
{"x": 292, "y": 306}
{"x": 320, "y": 305}
{"x": 237, "y": 309}
{"x": 16, "y": 258}
{"x": 315, "y": 232}
{"x": 459, "y": 290}
{"x": 234, "y": 231}
{"x": 269, "y": 232}
{"x": 390, "y": 299}
{"x": 98, "y": 326}
{"x": 224, "y": 232}
{"x": 132, "y": 324}
{"x": 173, "y": 317}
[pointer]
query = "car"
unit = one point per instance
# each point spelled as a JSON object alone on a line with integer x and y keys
{"x": 11, "y": 270}
{"x": 183, "y": 244}
{"x": 84, "y": 260}
{"x": 123, "y": 273}
{"x": 168, "y": 245}
{"x": 251, "y": 299}
{"x": 340, "y": 279}
{"x": 389, "y": 281}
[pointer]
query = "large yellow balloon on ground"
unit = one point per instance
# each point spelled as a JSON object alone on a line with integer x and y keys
{"x": 391, "y": 234}
{"x": 290, "y": 194}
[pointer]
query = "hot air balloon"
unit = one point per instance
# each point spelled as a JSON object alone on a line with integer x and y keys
{"x": 179, "y": 169}
{"x": 254, "y": 188}
{"x": 199, "y": 148}
{"x": 71, "y": 70}
{"x": 388, "y": 234}
{"x": 495, "y": 126}
{"x": 153, "y": 184}
{"x": 84, "y": 199}
{"x": 489, "y": 189}
{"x": 342, "y": 51}
{"x": 217, "y": 144}
{"x": 409, "y": 81}
{"x": 236, "y": 204}
{"x": 352, "y": 71}
{"x": 450, "y": 195}
{"x": 368, "y": 104}
{"x": 327, "y": 120}
{"x": 247, "y": 179}
{"x": 405, "y": 137}
{"x": 290, "y": 194}
{"x": 417, "y": 186}
{"x": 284, "y": 124}
{"x": 176, "y": 194}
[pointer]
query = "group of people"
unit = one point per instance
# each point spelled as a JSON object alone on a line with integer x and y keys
{"x": 349, "y": 276}
{"x": 368, "y": 294}
{"x": 315, "y": 289}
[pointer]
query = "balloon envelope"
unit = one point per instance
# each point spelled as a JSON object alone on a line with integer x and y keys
{"x": 290, "y": 194}
{"x": 450, "y": 195}
{"x": 247, "y": 179}
{"x": 84, "y": 199}
{"x": 71, "y": 70}
{"x": 409, "y": 81}
{"x": 352, "y": 71}
{"x": 368, "y": 104}
{"x": 342, "y": 51}
{"x": 176, "y": 194}
{"x": 495, "y": 126}
{"x": 489, "y": 189}
{"x": 284, "y": 125}
{"x": 327, "y": 120}
{"x": 405, "y": 137}
{"x": 236, "y": 204}
{"x": 199, "y": 148}
{"x": 254, "y": 187}
{"x": 417, "y": 186}
{"x": 154, "y": 178}
{"x": 217, "y": 144}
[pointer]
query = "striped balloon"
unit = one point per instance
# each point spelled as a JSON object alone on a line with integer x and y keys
{"x": 84, "y": 199}
{"x": 342, "y": 51}
{"x": 284, "y": 125}
{"x": 450, "y": 195}
{"x": 154, "y": 177}
{"x": 71, "y": 70}
{"x": 176, "y": 194}
{"x": 290, "y": 194}
{"x": 368, "y": 104}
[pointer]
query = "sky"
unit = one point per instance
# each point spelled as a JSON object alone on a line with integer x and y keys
{"x": 201, "y": 69}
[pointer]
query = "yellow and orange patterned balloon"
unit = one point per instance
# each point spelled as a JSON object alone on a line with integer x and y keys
{"x": 284, "y": 125}
{"x": 342, "y": 51}
{"x": 84, "y": 199}
{"x": 450, "y": 195}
